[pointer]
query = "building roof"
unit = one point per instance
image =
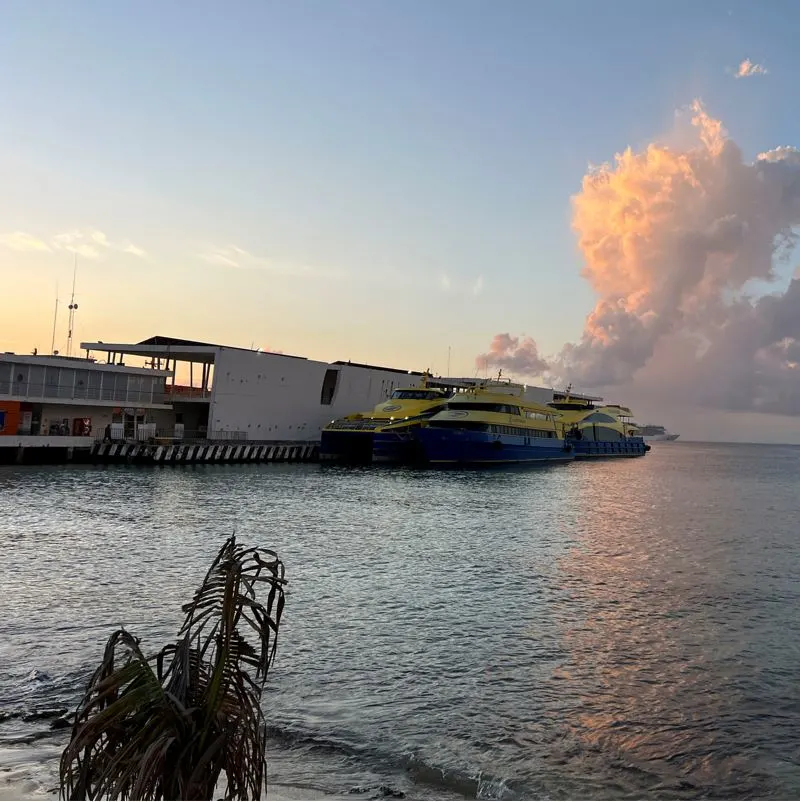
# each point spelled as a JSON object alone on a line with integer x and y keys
{"x": 173, "y": 348}
{"x": 377, "y": 367}
{"x": 79, "y": 363}
{"x": 173, "y": 341}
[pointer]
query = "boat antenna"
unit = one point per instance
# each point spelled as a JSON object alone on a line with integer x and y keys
{"x": 55, "y": 319}
{"x": 448, "y": 360}
{"x": 72, "y": 307}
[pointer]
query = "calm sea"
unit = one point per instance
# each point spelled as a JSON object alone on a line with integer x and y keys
{"x": 625, "y": 629}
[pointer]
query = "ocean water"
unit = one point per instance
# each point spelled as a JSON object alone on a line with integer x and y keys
{"x": 618, "y": 629}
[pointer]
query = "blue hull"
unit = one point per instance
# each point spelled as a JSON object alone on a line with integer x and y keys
{"x": 451, "y": 446}
{"x": 588, "y": 449}
{"x": 398, "y": 447}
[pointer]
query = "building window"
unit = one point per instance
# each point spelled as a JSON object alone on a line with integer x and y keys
{"x": 329, "y": 386}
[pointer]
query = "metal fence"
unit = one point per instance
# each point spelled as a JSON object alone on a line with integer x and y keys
{"x": 170, "y": 434}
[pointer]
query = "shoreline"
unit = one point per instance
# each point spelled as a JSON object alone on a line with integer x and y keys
{"x": 23, "y": 790}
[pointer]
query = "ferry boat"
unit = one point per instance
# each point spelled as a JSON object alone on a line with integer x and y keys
{"x": 653, "y": 433}
{"x": 489, "y": 424}
{"x": 604, "y": 430}
{"x": 384, "y": 434}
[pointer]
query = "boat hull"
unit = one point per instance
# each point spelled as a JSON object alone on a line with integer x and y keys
{"x": 397, "y": 447}
{"x": 660, "y": 438}
{"x": 593, "y": 449}
{"x": 346, "y": 446}
{"x": 451, "y": 446}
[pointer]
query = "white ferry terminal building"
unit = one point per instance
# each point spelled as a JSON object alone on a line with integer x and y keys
{"x": 239, "y": 404}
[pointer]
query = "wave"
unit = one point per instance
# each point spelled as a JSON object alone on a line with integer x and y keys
{"x": 417, "y": 771}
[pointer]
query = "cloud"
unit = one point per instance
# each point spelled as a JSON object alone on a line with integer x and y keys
{"x": 89, "y": 243}
{"x": 20, "y": 241}
{"x": 76, "y": 242}
{"x": 232, "y": 256}
{"x": 93, "y": 244}
{"x": 519, "y": 355}
{"x": 671, "y": 240}
{"x": 134, "y": 251}
{"x": 463, "y": 287}
{"x": 749, "y": 68}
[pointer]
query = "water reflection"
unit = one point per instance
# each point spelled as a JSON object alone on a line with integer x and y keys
{"x": 660, "y": 657}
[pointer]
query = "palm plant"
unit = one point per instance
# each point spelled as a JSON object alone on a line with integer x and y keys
{"x": 170, "y": 725}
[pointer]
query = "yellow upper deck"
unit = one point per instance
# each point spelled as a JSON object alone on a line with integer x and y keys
{"x": 405, "y": 403}
{"x": 578, "y": 414}
{"x": 499, "y": 403}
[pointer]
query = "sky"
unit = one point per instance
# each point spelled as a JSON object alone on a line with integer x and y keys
{"x": 381, "y": 181}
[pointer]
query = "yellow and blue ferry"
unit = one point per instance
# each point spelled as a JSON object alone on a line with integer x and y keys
{"x": 492, "y": 423}
{"x": 595, "y": 429}
{"x": 384, "y": 434}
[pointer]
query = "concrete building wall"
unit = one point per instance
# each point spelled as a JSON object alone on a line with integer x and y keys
{"x": 275, "y": 397}
{"x": 56, "y": 413}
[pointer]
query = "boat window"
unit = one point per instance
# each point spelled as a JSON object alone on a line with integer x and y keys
{"x": 507, "y": 409}
{"x": 473, "y": 426}
{"x": 570, "y": 405}
{"x": 492, "y": 428}
{"x": 539, "y": 416}
{"x": 329, "y": 386}
{"x": 415, "y": 395}
{"x": 519, "y": 431}
{"x": 599, "y": 417}
{"x": 605, "y": 433}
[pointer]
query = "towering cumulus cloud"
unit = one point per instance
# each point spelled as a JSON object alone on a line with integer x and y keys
{"x": 670, "y": 237}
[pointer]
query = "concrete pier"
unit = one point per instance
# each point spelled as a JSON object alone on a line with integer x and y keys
{"x": 203, "y": 453}
{"x": 55, "y": 450}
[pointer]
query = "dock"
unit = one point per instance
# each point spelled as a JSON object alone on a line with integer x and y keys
{"x": 38, "y": 450}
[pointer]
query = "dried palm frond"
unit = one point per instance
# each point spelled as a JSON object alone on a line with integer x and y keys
{"x": 177, "y": 723}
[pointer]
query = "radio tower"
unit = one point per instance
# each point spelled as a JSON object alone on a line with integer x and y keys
{"x": 55, "y": 320}
{"x": 72, "y": 307}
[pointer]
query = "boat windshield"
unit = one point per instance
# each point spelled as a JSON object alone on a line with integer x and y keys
{"x": 415, "y": 395}
{"x": 478, "y": 406}
{"x": 568, "y": 406}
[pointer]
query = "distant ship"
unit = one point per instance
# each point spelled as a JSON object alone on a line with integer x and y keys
{"x": 655, "y": 434}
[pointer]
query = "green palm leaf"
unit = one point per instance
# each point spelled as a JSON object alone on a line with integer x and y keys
{"x": 180, "y": 723}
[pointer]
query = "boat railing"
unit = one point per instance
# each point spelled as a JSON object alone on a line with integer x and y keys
{"x": 181, "y": 392}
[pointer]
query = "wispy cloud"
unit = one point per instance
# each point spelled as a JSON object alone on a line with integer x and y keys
{"x": 20, "y": 241}
{"x": 93, "y": 244}
{"x": 233, "y": 256}
{"x": 460, "y": 286}
{"x": 749, "y": 68}
{"x": 89, "y": 243}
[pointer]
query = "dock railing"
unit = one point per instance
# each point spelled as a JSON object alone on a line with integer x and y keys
{"x": 171, "y": 435}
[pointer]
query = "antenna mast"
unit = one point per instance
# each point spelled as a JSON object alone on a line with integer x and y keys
{"x": 55, "y": 318}
{"x": 448, "y": 360}
{"x": 72, "y": 307}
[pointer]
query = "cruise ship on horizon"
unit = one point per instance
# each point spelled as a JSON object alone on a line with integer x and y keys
{"x": 653, "y": 433}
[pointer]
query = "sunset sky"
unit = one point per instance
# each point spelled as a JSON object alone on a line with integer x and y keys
{"x": 371, "y": 181}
